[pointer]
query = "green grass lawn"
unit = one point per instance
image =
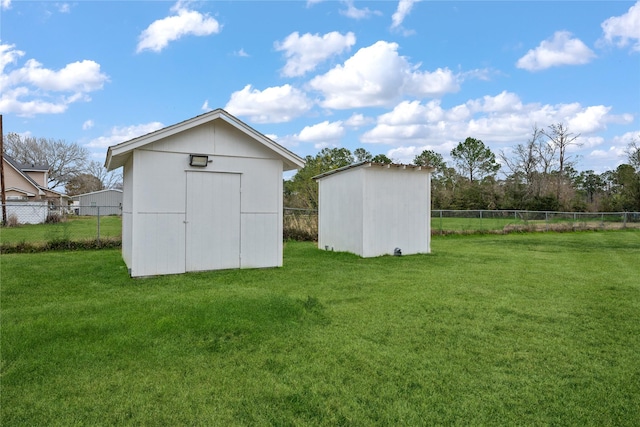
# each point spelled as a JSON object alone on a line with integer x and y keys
{"x": 521, "y": 329}
{"x": 72, "y": 228}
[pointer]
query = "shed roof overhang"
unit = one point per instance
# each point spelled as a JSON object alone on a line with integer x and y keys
{"x": 391, "y": 166}
{"x": 117, "y": 155}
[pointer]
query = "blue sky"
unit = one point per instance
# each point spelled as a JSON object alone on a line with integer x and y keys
{"x": 393, "y": 77}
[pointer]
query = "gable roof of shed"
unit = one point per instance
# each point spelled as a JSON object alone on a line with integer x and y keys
{"x": 117, "y": 155}
{"x": 396, "y": 166}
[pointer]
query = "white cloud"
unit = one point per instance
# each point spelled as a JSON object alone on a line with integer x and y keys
{"x": 272, "y": 105}
{"x": 377, "y": 76}
{"x": 325, "y": 132}
{"x": 589, "y": 120}
{"x": 63, "y": 7}
{"x": 241, "y": 53}
{"x": 88, "y": 124}
{"x": 205, "y": 106}
{"x": 356, "y": 121}
{"x": 561, "y": 49}
{"x": 5, "y": 4}
{"x": 305, "y": 52}
{"x": 33, "y": 89}
{"x": 499, "y": 119}
{"x": 625, "y": 29}
{"x": 354, "y": 13}
{"x": 185, "y": 22}
{"x": 121, "y": 134}
{"x": 404, "y": 8}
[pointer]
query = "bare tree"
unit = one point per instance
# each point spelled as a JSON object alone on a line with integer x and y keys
{"x": 561, "y": 139}
{"x": 65, "y": 160}
{"x": 111, "y": 179}
{"x": 526, "y": 157}
{"x": 633, "y": 153}
{"x": 83, "y": 183}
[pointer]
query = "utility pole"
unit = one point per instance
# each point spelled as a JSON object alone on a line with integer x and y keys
{"x": 4, "y": 196}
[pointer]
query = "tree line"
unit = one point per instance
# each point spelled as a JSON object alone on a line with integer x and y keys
{"x": 69, "y": 164}
{"x": 539, "y": 174}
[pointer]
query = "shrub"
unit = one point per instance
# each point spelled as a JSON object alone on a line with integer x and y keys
{"x": 53, "y": 218}
{"x": 12, "y": 221}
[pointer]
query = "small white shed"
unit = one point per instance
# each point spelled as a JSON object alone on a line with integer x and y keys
{"x": 372, "y": 209}
{"x": 203, "y": 194}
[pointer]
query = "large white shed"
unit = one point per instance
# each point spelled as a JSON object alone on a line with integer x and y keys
{"x": 372, "y": 209}
{"x": 203, "y": 194}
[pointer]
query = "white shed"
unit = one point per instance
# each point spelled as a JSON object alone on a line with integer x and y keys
{"x": 372, "y": 209}
{"x": 203, "y": 194}
{"x": 102, "y": 202}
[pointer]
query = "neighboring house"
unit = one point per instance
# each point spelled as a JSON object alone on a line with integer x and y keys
{"x": 27, "y": 195}
{"x": 203, "y": 194}
{"x": 372, "y": 209}
{"x": 103, "y": 202}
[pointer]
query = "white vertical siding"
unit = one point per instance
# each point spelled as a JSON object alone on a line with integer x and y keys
{"x": 165, "y": 206}
{"x": 127, "y": 212}
{"x": 261, "y": 240}
{"x": 340, "y": 200}
{"x": 213, "y": 221}
{"x": 160, "y": 244}
{"x": 370, "y": 211}
{"x": 396, "y": 211}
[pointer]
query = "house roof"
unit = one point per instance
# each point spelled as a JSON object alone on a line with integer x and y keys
{"x": 391, "y": 166}
{"x": 96, "y": 192}
{"x": 18, "y": 167}
{"x": 21, "y": 168}
{"x": 117, "y": 155}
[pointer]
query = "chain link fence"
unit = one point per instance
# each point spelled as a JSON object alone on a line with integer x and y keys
{"x": 302, "y": 224}
{"x": 37, "y": 223}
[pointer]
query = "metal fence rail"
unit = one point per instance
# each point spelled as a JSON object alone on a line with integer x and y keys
{"x": 41, "y": 222}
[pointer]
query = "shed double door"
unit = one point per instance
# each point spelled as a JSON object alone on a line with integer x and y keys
{"x": 212, "y": 221}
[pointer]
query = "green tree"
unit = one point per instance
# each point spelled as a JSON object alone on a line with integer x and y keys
{"x": 381, "y": 158}
{"x": 362, "y": 155}
{"x": 431, "y": 158}
{"x": 474, "y": 159}
{"x": 589, "y": 185}
{"x": 302, "y": 190}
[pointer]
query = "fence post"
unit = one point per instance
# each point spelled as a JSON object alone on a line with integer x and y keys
{"x": 441, "y": 222}
{"x": 546, "y": 220}
{"x": 98, "y": 238}
{"x": 624, "y": 221}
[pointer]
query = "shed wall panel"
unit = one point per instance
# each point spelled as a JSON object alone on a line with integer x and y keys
{"x": 109, "y": 202}
{"x": 127, "y": 212}
{"x": 340, "y": 224}
{"x": 261, "y": 244}
{"x": 396, "y": 212}
{"x": 160, "y": 181}
{"x": 159, "y": 244}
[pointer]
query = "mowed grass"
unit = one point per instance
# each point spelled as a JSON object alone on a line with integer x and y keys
{"x": 521, "y": 329}
{"x": 74, "y": 228}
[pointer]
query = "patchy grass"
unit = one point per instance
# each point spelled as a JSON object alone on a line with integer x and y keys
{"x": 526, "y": 329}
